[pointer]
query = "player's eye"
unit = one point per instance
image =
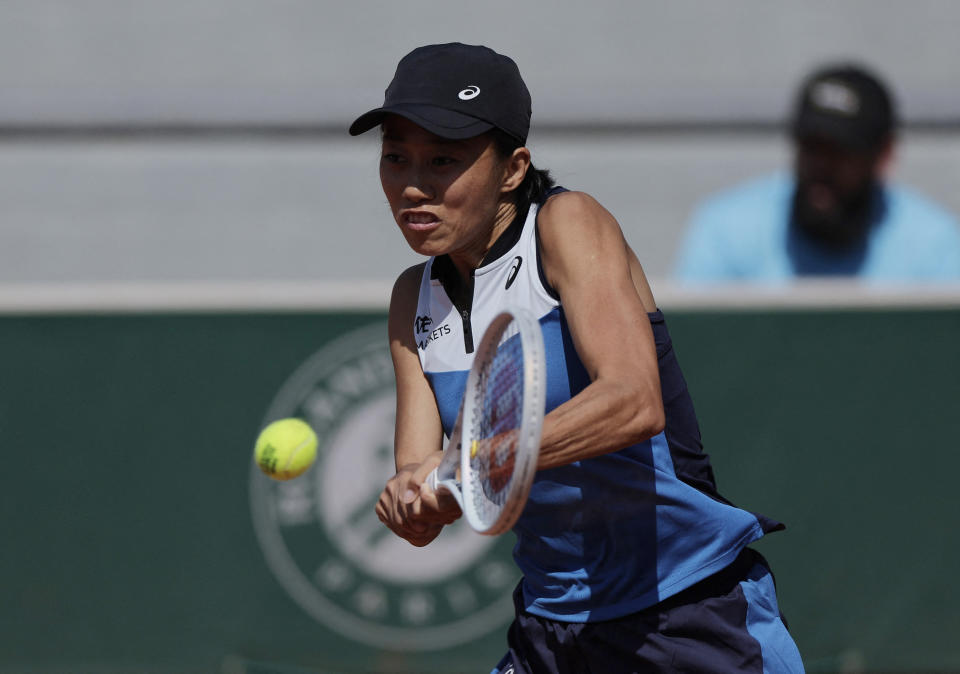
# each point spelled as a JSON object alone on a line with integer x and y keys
{"x": 391, "y": 157}
{"x": 443, "y": 161}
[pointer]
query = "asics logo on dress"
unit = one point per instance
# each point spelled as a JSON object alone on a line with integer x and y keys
{"x": 514, "y": 270}
{"x": 470, "y": 92}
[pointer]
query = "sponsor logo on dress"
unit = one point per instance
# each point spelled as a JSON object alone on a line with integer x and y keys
{"x": 425, "y": 335}
{"x": 422, "y": 323}
{"x": 321, "y": 537}
{"x": 514, "y": 270}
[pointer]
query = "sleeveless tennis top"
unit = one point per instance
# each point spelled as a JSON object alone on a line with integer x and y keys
{"x": 606, "y": 536}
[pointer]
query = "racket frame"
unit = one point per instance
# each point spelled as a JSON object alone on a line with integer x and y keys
{"x": 531, "y": 425}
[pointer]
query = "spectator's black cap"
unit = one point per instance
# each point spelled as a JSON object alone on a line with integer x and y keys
{"x": 846, "y": 104}
{"x": 455, "y": 91}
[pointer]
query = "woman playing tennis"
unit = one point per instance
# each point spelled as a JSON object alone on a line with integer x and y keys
{"x": 631, "y": 560}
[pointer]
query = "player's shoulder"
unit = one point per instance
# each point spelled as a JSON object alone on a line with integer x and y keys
{"x": 563, "y": 201}
{"x": 410, "y": 276}
{"x": 570, "y": 223}
{"x": 406, "y": 290}
{"x": 568, "y": 210}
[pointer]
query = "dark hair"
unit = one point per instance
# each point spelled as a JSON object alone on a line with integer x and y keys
{"x": 535, "y": 184}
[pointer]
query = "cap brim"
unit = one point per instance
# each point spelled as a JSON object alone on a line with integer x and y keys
{"x": 439, "y": 121}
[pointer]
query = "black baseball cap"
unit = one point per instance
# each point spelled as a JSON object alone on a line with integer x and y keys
{"x": 847, "y": 104}
{"x": 455, "y": 91}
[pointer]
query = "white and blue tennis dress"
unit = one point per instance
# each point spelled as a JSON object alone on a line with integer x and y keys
{"x": 607, "y": 536}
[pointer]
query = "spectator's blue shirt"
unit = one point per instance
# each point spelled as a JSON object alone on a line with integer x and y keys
{"x": 744, "y": 234}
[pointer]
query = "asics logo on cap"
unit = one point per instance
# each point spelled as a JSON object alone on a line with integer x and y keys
{"x": 470, "y": 92}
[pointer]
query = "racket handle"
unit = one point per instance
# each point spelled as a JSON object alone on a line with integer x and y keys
{"x": 432, "y": 479}
{"x": 450, "y": 486}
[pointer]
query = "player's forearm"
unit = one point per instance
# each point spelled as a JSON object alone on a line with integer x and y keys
{"x": 604, "y": 417}
{"x": 418, "y": 432}
{"x": 414, "y": 454}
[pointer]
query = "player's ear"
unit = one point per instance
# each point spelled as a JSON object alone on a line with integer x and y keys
{"x": 515, "y": 169}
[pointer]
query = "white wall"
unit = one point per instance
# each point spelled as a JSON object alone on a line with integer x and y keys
{"x": 322, "y": 61}
{"x": 94, "y": 206}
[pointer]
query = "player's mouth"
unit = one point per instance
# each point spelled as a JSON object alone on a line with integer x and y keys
{"x": 420, "y": 221}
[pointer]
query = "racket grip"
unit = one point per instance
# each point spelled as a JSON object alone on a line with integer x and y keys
{"x": 450, "y": 485}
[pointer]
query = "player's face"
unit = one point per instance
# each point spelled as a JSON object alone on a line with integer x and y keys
{"x": 445, "y": 195}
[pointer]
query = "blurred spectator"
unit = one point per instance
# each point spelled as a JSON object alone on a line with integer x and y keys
{"x": 836, "y": 215}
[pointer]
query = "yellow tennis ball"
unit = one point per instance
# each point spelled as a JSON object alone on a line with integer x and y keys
{"x": 285, "y": 449}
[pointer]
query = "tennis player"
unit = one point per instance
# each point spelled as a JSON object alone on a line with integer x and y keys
{"x": 631, "y": 560}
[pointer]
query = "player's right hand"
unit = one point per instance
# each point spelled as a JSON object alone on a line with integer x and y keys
{"x": 406, "y": 514}
{"x": 438, "y": 505}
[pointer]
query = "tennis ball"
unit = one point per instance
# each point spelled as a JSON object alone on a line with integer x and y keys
{"x": 285, "y": 449}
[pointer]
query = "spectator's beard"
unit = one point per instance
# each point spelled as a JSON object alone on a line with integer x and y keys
{"x": 841, "y": 224}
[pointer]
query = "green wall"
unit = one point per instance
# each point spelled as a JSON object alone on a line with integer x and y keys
{"x": 130, "y": 539}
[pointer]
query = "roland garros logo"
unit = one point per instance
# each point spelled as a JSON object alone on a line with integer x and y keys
{"x": 322, "y": 539}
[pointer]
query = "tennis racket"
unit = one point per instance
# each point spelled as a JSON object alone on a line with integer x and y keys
{"x": 496, "y": 439}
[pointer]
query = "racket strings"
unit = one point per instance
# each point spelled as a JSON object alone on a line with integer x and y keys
{"x": 497, "y": 427}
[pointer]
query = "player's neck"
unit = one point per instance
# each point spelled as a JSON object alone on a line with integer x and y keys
{"x": 472, "y": 256}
